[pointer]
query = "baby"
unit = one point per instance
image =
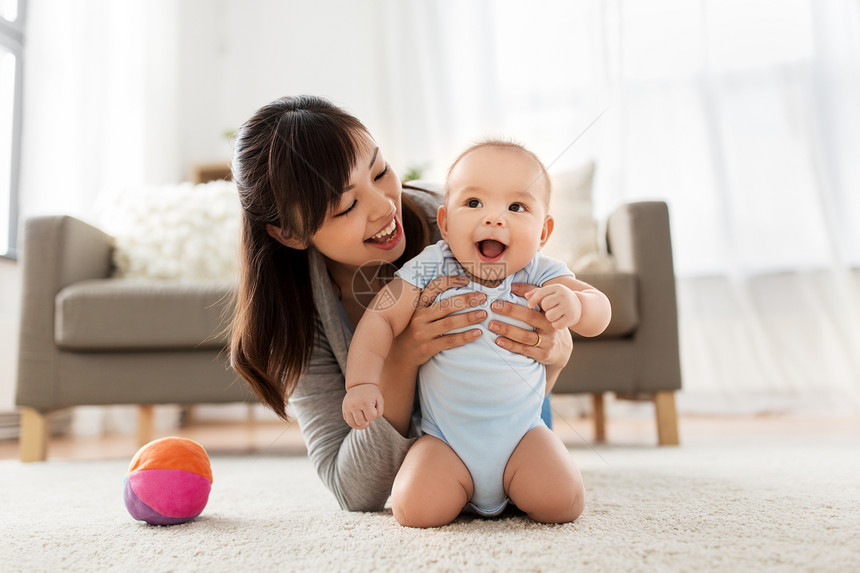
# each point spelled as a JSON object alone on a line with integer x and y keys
{"x": 484, "y": 442}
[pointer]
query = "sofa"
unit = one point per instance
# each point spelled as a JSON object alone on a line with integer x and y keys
{"x": 87, "y": 338}
{"x": 637, "y": 357}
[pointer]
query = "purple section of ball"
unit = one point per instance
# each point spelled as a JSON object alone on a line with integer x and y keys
{"x": 142, "y": 512}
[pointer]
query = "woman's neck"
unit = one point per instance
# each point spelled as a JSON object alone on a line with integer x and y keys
{"x": 340, "y": 276}
{"x": 356, "y": 284}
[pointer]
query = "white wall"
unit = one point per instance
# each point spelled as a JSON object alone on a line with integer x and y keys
{"x": 125, "y": 93}
{"x": 9, "y": 304}
{"x": 246, "y": 54}
{"x": 119, "y": 95}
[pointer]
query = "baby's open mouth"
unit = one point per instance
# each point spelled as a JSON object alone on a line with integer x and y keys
{"x": 491, "y": 249}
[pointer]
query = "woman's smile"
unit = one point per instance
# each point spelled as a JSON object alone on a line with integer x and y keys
{"x": 388, "y": 237}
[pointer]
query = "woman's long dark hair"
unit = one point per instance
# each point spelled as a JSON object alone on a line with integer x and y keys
{"x": 292, "y": 160}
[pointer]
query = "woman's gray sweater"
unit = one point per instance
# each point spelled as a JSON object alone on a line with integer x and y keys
{"x": 358, "y": 466}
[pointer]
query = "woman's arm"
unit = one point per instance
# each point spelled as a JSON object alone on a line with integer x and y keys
{"x": 357, "y": 466}
{"x": 555, "y": 345}
{"x": 424, "y": 337}
{"x": 387, "y": 316}
{"x": 564, "y": 348}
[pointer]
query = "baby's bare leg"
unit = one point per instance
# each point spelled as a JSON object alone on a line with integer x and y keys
{"x": 542, "y": 480}
{"x": 432, "y": 486}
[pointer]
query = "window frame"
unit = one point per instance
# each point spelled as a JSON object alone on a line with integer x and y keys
{"x": 12, "y": 39}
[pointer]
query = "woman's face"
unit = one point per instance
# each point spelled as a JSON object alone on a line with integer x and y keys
{"x": 367, "y": 226}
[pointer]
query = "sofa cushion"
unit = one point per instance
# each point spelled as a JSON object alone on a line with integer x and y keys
{"x": 140, "y": 314}
{"x": 623, "y": 293}
{"x": 574, "y": 239}
{"x": 165, "y": 231}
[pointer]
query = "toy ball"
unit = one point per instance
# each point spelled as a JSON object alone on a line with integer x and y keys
{"x": 168, "y": 482}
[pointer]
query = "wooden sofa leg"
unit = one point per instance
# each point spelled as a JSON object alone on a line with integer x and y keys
{"x": 145, "y": 424}
{"x": 667, "y": 419}
{"x": 33, "y": 442}
{"x": 599, "y": 418}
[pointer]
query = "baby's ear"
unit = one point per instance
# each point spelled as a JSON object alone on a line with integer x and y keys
{"x": 548, "y": 226}
{"x": 286, "y": 240}
{"x": 442, "y": 220}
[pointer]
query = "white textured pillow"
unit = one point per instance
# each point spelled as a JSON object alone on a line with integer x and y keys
{"x": 182, "y": 231}
{"x": 574, "y": 237}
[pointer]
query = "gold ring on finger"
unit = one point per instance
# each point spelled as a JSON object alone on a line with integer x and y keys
{"x": 538, "y": 340}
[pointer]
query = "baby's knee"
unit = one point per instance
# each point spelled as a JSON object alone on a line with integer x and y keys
{"x": 556, "y": 507}
{"x": 417, "y": 503}
{"x": 420, "y": 511}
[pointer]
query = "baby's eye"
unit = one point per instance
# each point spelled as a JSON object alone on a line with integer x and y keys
{"x": 474, "y": 203}
{"x": 517, "y": 207}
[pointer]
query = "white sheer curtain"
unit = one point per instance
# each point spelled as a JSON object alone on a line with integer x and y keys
{"x": 459, "y": 71}
{"x": 742, "y": 115}
{"x": 100, "y": 95}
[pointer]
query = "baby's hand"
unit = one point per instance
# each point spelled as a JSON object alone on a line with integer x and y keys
{"x": 560, "y": 305}
{"x": 362, "y": 405}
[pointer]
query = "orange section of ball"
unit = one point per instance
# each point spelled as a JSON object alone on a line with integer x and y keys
{"x": 172, "y": 453}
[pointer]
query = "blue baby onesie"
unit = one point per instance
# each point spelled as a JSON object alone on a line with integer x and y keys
{"x": 480, "y": 398}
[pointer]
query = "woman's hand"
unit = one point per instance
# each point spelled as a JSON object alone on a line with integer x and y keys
{"x": 427, "y": 333}
{"x": 424, "y": 337}
{"x": 555, "y": 345}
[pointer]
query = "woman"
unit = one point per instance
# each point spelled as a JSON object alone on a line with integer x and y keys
{"x": 324, "y": 220}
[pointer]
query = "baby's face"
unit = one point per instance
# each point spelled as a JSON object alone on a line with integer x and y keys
{"x": 495, "y": 215}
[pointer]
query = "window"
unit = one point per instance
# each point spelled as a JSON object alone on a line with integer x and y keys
{"x": 11, "y": 43}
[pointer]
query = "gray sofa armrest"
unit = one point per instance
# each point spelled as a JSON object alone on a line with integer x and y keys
{"x": 56, "y": 251}
{"x": 639, "y": 239}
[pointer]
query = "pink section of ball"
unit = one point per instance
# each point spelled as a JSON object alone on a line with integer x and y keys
{"x": 172, "y": 493}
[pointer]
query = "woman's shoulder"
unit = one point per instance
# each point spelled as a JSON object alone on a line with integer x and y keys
{"x": 427, "y": 194}
{"x": 425, "y": 189}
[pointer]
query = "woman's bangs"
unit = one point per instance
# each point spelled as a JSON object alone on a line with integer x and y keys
{"x": 321, "y": 152}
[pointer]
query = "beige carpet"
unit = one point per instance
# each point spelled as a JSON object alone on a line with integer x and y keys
{"x": 780, "y": 506}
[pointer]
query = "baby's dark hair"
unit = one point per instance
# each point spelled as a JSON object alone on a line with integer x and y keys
{"x": 508, "y": 144}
